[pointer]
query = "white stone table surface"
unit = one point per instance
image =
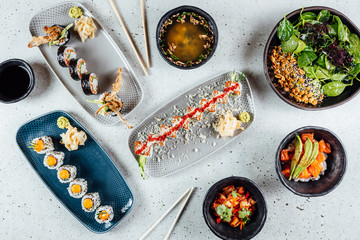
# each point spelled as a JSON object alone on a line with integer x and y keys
{"x": 28, "y": 209}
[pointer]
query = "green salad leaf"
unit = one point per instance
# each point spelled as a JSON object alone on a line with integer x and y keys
{"x": 290, "y": 45}
{"x": 285, "y": 30}
{"x": 323, "y": 16}
{"x": 342, "y": 32}
{"x": 306, "y": 58}
{"x": 334, "y": 89}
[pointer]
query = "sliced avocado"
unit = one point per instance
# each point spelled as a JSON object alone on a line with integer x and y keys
{"x": 308, "y": 146}
{"x": 314, "y": 154}
{"x": 296, "y": 158}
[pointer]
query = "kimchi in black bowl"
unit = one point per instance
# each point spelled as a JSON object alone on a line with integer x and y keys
{"x": 223, "y": 229}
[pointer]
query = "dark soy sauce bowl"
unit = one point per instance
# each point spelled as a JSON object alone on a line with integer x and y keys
{"x": 329, "y": 102}
{"x": 17, "y": 80}
{"x": 181, "y": 9}
{"x": 223, "y": 230}
{"x": 336, "y": 164}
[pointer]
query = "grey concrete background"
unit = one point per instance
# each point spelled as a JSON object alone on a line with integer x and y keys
{"x": 30, "y": 211}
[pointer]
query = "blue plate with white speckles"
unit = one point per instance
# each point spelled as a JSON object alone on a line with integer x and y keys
{"x": 92, "y": 163}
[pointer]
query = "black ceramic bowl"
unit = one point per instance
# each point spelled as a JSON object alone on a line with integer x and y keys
{"x": 336, "y": 164}
{"x": 17, "y": 80}
{"x": 329, "y": 102}
{"x": 224, "y": 230}
{"x": 181, "y": 9}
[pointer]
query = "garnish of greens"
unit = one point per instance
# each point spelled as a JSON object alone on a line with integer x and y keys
{"x": 62, "y": 35}
{"x": 324, "y": 48}
{"x": 100, "y": 102}
{"x": 142, "y": 162}
{"x": 224, "y": 212}
{"x": 244, "y": 215}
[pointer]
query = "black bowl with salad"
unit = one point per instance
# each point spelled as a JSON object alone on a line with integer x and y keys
{"x": 312, "y": 58}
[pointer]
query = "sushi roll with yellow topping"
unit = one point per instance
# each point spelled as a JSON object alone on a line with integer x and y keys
{"x": 54, "y": 159}
{"x": 78, "y": 188}
{"x": 66, "y": 173}
{"x": 42, "y": 145}
{"x": 90, "y": 202}
{"x": 104, "y": 214}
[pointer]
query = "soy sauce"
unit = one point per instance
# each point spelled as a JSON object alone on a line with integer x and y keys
{"x": 14, "y": 82}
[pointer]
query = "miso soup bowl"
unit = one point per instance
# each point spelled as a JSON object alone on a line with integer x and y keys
{"x": 181, "y": 9}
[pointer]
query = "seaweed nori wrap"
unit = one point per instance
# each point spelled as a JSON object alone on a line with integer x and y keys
{"x": 77, "y": 68}
{"x": 65, "y": 54}
{"x": 90, "y": 84}
{"x": 65, "y": 39}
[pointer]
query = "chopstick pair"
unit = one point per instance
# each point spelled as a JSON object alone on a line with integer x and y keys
{"x": 117, "y": 13}
{"x": 187, "y": 194}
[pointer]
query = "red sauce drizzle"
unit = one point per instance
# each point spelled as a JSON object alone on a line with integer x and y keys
{"x": 186, "y": 117}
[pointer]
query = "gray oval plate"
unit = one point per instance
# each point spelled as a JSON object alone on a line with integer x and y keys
{"x": 102, "y": 57}
{"x": 200, "y": 140}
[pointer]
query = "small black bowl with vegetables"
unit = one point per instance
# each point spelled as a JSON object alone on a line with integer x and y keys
{"x": 312, "y": 58}
{"x": 311, "y": 161}
{"x": 235, "y": 208}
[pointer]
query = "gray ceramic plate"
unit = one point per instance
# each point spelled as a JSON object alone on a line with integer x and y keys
{"x": 201, "y": 140}
{"x": 101, "y": 54}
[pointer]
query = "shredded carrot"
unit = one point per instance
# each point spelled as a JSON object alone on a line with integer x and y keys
{"x": 307, "y": 136}
{"x": 284, "y": 155}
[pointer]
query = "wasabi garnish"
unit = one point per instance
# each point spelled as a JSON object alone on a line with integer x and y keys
{"x": 75, "y": 12}
{"x": 244, "y": 117}
{"x": 62, "y": 122}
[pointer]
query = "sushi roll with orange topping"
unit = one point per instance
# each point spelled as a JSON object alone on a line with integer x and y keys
{"x": 66, "y": 173}
{"x": 54, "y": 159}
{"x": 78, "y": 188}
{"x": 90, "y": 202}
{"x": 42, "y": 145}
{"x": 104, "y": 214}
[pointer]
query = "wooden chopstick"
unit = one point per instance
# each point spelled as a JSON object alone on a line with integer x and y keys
{"x": 143, "y": 13}
{"x": 164, "y": 215}
{"x": 117, "y": 13}
{"x": 178, "y": 215}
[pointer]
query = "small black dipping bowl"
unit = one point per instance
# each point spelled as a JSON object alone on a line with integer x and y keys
{"x": 224, "y": 230}
{"x": 336, "y": 164}
{"x": 181, "y": 9}
{"x": 17, "y": 80}
{"x": 328, "y": 102}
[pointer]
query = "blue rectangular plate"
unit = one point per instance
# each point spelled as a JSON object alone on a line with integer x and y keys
{"x": 92, "y": 163}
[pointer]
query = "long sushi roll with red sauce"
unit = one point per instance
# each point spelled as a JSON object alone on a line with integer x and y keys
{"x": 65, "y": 54}
{"x": 77, "y": 68}
{"x": 90, "y": 84}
